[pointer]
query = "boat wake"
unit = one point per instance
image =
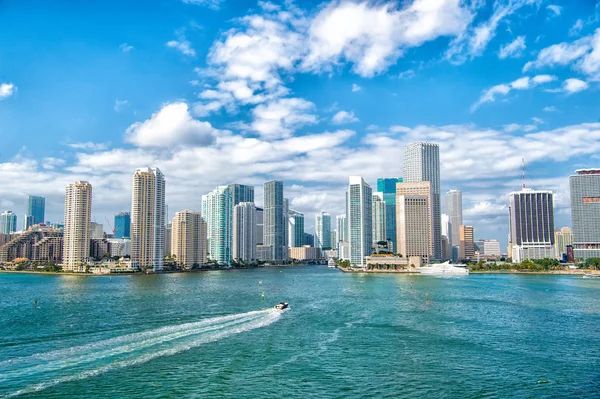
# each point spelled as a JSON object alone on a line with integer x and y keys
{"x": 81, "y": 362}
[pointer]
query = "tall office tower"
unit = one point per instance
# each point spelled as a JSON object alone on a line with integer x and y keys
{"x": 422, "y": 163}
{"x": 122, "y": 225}
{"x": 36, "y": 207}
{"x": 413, "y": 225}
{"x": 169, "y": 238}
{"x": 296, "y": 229}
{"x": 446, "y": 237}
{"x": 188, "y": 239}
{"x": 467, "y": 245}
{"x": 27, "y": 222}
{"x": 585, "y": 213}
{"x": 309, "y": 239}
{"x": 217, "y": 211}
{"x": 360, "y": 220}
{"x": 334, "y": 239}
{"x": 342, "y": 227}
{"x": 562, "y": 238}
{"x": 241, "y": 193}
{"x": 96, "y": 231}
{"x": 259, "y": 226}
{"x": 148, "y": 219}
{"x": 387, "y": 186}
{"x": 323, "y": 230}
{"x": 8, "y": 222}
{"x": 78, "y": 211}
{"x": 531, "y": 224}
{"x": 244, "y": 231}
{"x": 379, "y": 218}
{"x": 286, "y": 225}
{"x": 274, "y": 223}
{"x": 446, "y": 252}
{"x": 455, "y": 213}
{"x": 418, "y": 189}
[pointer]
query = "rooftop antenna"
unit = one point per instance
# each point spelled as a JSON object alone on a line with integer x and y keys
{"x": 523, "y": 172}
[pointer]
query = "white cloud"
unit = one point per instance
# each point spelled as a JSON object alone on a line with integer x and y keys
{"x": 513, "y": 49}
{"x": 550, "y": 108}
{"x": 7, "y": 90}
{"x": 279, "y": 118}
{"x": 343, "y": 117}
{"x": 125, "y": 47}
{"x": 182, "y": 45}
{"x": 576, "y": 28}
{"x": 213, "y": 4}
{"x": 356, "y": 87}
{"x": 537, "y": 120}
{"x": 373, "y": 36}
{"x": 556, "y": 10}
{"x": 120, "y": 104}
{"x": 408, "y": 74}
{"x": 89, "y": 146}
{"x": 575, "y": 85}
{"x": 51, "y": 162}
{"x": 524, "y": 83}
{"x": 172, "y": 125}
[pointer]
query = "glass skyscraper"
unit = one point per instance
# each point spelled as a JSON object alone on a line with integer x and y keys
{"x": 122, "y": 225}
{"x": 323, "y": 230}
{"x": 274, "y": 223}
{"x": 359, "y": 214}
{"x": 387, "y": 186}
{"x": 8, "y": 222}
{"x": 217, "y": 211}
{"x": 241, "y": 193}
{"x": 36, "y": 207}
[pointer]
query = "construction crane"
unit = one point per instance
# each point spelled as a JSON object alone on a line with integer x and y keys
{"x": 109, "y": 225}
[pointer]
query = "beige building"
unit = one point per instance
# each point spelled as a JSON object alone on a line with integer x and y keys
{"x": 413, "y": 233}
{"x": 78, "y": 212}
{"x": 305, "y": 252}
{"x": 148, "y": 219}
{"x": 562, "y": 238}
{"x": 467, "y": 244}
{"x": 188, "y": 239}
{"x": 417, "y": 189}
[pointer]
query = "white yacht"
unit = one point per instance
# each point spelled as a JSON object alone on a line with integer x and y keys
{"x": 331, "y": 263}
{"x": 444, "y": 269}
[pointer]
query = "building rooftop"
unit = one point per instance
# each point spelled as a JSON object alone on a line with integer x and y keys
{"x": 588, "y": 171}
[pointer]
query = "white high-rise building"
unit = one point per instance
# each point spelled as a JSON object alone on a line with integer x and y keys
{"x": 188, "y": 239}
{"x": 379, "y": 218}
{"x": 244, "y": 231}
{"x": 323, "y": 230}
{"x": 531, "y": 224}
{"x": 8, "y": 222}
{"x": 342, "y": 228}
{"x": 148, "y": 219}
{"x": 76, "y": 239}
{"x": 360, "y": 223}
{"x": 455, "y": 213}
{"x": 295, "y": 229}
{"x": 274, "y": 223}
{"x": 422, "y": 163}
{"x": 217, "y": 210}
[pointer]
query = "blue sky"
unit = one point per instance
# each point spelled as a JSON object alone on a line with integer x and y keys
{"x": 214, "y": 92}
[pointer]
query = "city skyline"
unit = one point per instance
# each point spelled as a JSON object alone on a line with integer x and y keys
{"x": 299, "y": 115}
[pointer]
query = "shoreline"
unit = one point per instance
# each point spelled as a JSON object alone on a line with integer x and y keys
{"x": 577, "y": 272}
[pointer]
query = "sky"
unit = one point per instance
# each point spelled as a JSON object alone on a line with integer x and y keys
{"x": 309, "y": 92}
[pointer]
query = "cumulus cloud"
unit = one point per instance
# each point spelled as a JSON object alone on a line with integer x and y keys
{"x": 554, "y": 9}
{"x": 89, "y": 146}
{"x": 490, "y": 95}
{"x": 279, "y": 118}
{"x": 550, "y": 108}
{"x": 7, "y": 90}
{"x": 513, "y": 49}
{"x": 575, "y": 85}
{"x": 576, "y": 28}
{"x": 343, "y": 117}
{"x": 172, "y": 125}
{"x": 182, "y": 45}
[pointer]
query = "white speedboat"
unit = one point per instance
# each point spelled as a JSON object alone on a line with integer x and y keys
{"x": 281, "y": 306}
{"x": 591, "y": 275}
{"x": 331, "y": 263}
{"x": 444, "y": 269}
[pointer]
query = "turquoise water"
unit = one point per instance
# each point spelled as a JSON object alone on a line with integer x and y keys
{"x": 210, "y": 334}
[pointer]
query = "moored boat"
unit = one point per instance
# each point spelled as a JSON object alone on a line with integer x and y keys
{"x": 444, "y": 269}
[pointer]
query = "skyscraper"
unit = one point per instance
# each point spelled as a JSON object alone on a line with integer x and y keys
{"x": 296, "y": 229}
{"x": 414, "y": 191}
{"x": 96, "y": 231}
{"x": 455, "y": 213}
{"x": 8, "y": 222}
{"x": 274, "y": 223}
{"x": 27, "y": 222}
{"x": 323, "y": 230}
{"x": 562, "y": 238}
{"x": 309, "y": 239}
{"x": 413, "y": 226}
{"x": 422, "y": 163}
{"x": 446, "y": 235}
{"x": 36, "y": 207}
{"x": 217, "y": 211}
{"x": 585, "y": 213}
{"x": 188, "y": 239}
{"x": 260, "y": 218}
{"x": 241, "y": 193}
{"x": 286, "y": 225}
{"x": 467, "y": 245}
{"x": 244, "y": 231}
{"x": 379, "y": 218}
{"x": 78, "y": 211}
{"x": 122, "y": 225}
{"x": 360, "y": 226}
{"x": 342, "y": 228}
{"x": 387, "y": 186}
{"x": 148, "y": 219}
{"x": 531, "y": 224}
